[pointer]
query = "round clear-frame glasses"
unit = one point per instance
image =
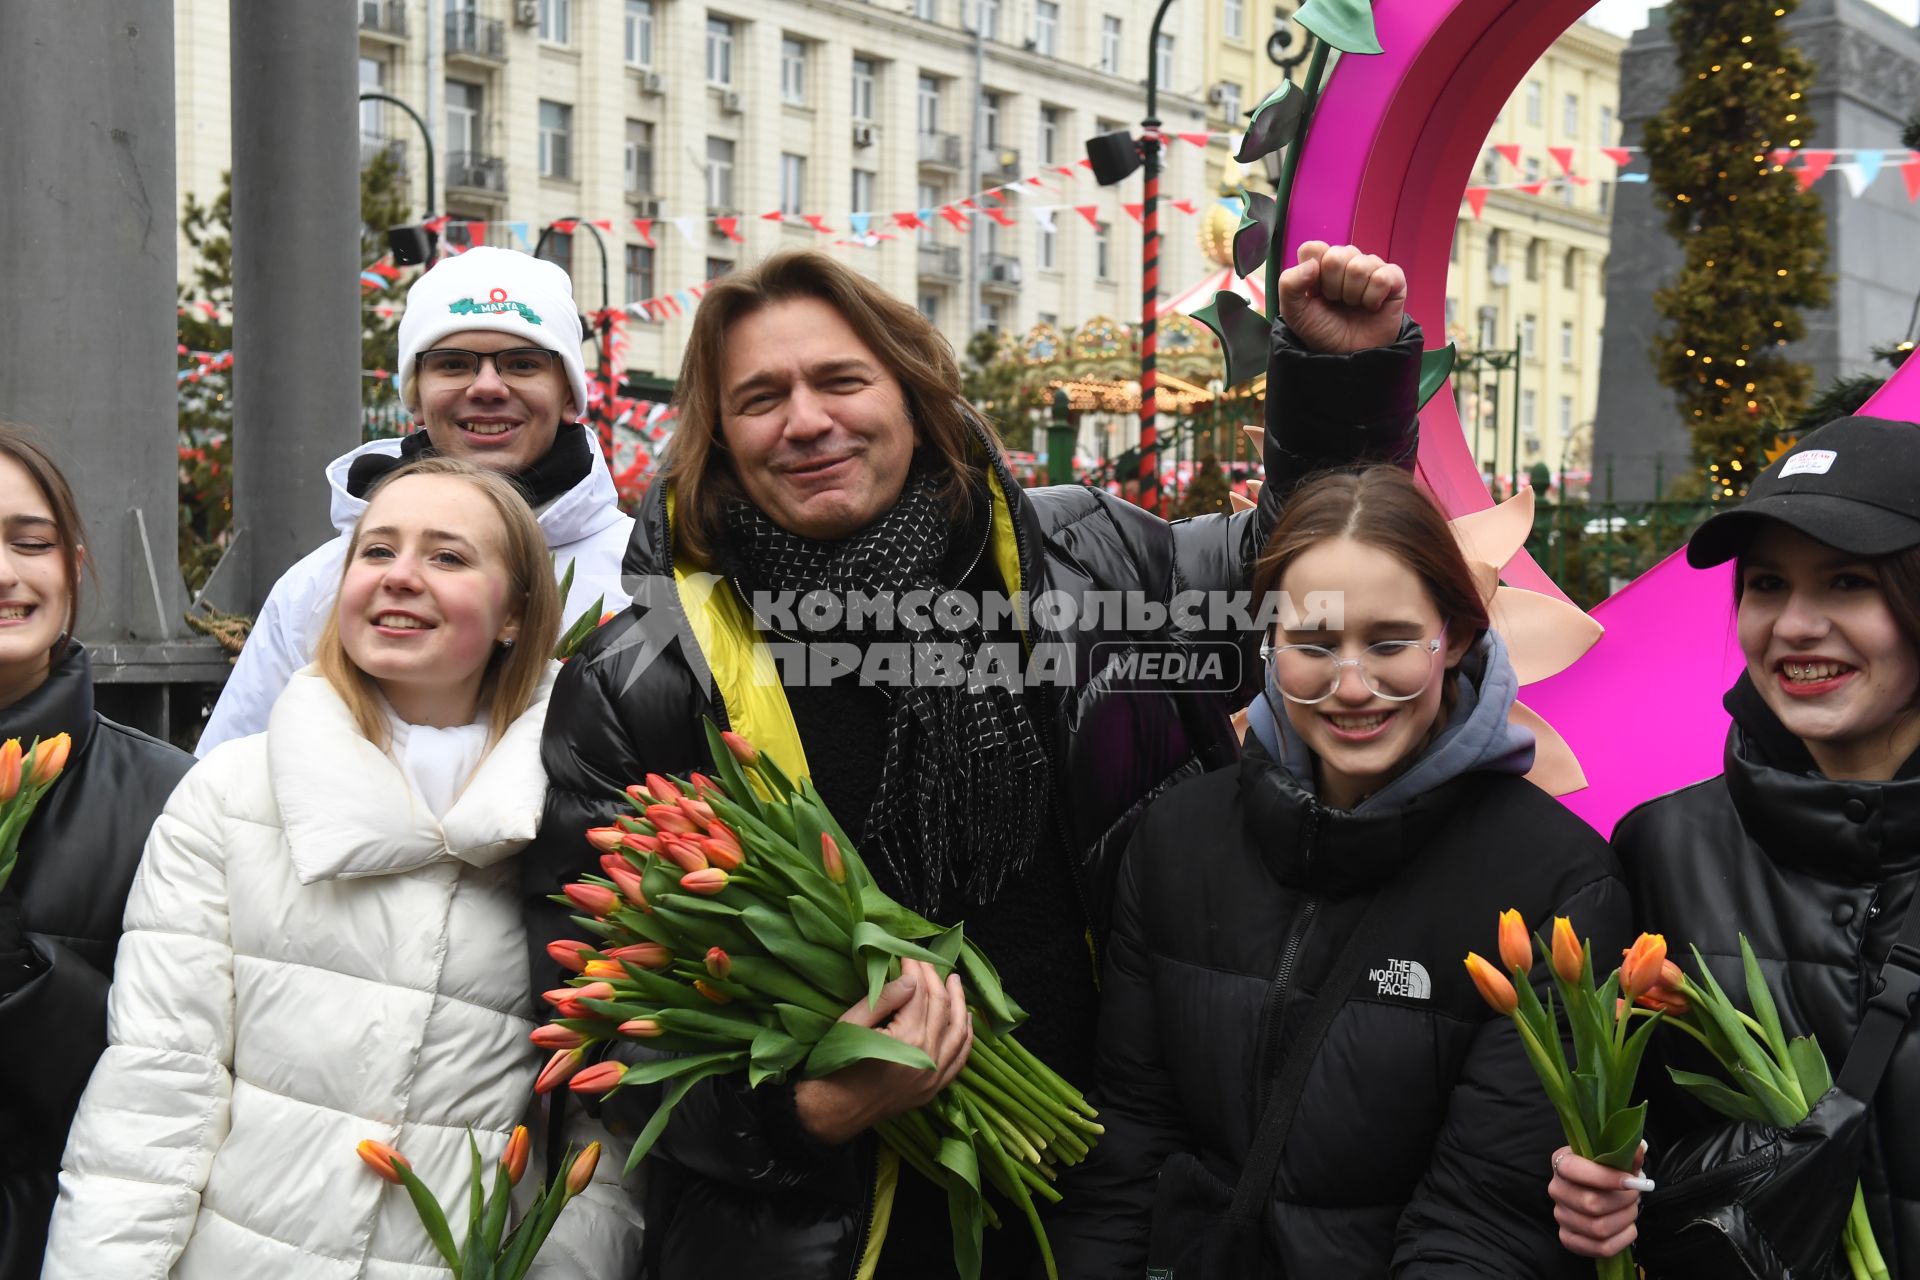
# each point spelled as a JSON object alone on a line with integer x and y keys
{"x": 515, "y": 364}
{"x": 1395, "y": 670}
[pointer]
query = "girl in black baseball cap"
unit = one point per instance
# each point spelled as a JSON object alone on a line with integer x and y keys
{"x": 1808, "y": 844}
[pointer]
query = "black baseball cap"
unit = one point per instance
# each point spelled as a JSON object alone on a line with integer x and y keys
{"x": 1853, "y": 484}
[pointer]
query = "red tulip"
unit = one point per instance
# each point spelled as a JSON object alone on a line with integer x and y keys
{"x": 667, "y": 817}
{"x": 598, "y": 1078}
{"x": 648, "y": 955}
{"x": 559, "y": 1067}
{"x": 581, "y": 1171}
{"x": 719, "y": 963}
{"x": 1516, "y": 948}
{"x": 742, "y": 750}
{"x": 661, "y": 789}
{"x": 594, "y": 991}
{"x": 513, "y": 1161}
{"x": 555, "y": 1036}
{"x": 1569, "y": 956}
{"x": 1641, "y": 968}
{"x": 705, "y": 786}
{"x": 1494, "y": 986}
{"x": 830, "y": 858}
{"x": 720, "y": 854}
{"x": 382, "y": 1159}
{"x": 605, "y": 839}
{"x": 641, "y": 1028}
{"x": 9, "y": 769}
{"x": 594, "y": 899}
{"x": 49, "y": 758}
{"x": 566, "y": 953}
{"x": 698, "y": 811}
{"x": 639, "y": 795}
{"x": 642, "y": 844}
{"x": 629, "y": 883}
{"x": 684, "y": 852}
{"x": 709, "y": 881}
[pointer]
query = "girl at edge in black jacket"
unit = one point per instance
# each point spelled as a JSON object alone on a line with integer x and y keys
{"x": 1809, "y": 844}
{"x": 1382, "y": 765}
{"x": 60, "y": 913}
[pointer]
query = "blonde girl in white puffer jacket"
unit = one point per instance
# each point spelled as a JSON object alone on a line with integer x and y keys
{"x": 324, "y": 941}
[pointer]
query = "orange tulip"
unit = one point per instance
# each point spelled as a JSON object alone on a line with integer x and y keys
{"x": 382, "y": 1159}
{"x": 566, "y": 953}
{"x": 705, "y": 786}
{"x": 514, "y": 1159}
{"x": 711, "y": 992}
{"x": 719, "y": 963}
{"x": 742, "y": 750}
{"x": 581, "y": 1171}
{"x": 1494, "y": 986}
{"x": 1667, "y": 1000}
{"x": 683, "y": 852}
{"x": 1569, "y": 956}
{"x": 559, "y": 1067}
{"x": 699, "y": 812}
{"x": 1516, "y": 948}
{"x": 554, "y": 1036}
{"x": 9, "y": 769}
{"x": 641, "y": 1028}
{"x": 708, "y": 881}
{"x": 721, "y": 854}
{"x": 642, "y": 843}
{"x": 662, "y": 790}
{"x": 604, "y": 969}
{"x": 830, "y": 858}
{"x": 639, "y": 795}
{"x": 648, "y": 955}
{"x": 598, "y": 1078}
{"x": 594, "y": 899}
{"x": 667, "y": 817}
{"x": 605, "y": 839}
{"x": 1640, "y": 970}
{"x": 49, "y": 758}
{"x": 629, "y": 882}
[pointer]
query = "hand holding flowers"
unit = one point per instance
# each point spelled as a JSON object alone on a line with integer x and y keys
{"x": 25, "y": 777}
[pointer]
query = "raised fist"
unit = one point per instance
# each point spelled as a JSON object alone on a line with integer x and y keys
{"x": 1339, "y": 299}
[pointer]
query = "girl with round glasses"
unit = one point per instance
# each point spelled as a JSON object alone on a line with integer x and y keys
{"x": 1376, "y": 825}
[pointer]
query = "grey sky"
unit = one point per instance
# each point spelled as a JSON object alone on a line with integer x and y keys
{"x": 1624, "y": 17}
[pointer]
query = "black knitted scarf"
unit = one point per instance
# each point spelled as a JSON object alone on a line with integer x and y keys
{"x": 964, "y": 784}
{"x": 566, "y": 464}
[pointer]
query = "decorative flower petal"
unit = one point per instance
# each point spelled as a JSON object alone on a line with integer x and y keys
{"x": 1494, "y": 535}
{"x": 1555, "y": 770}
{"x": 1544, "y": 636}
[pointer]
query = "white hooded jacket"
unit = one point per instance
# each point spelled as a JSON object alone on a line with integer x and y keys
{"x": 311, "y": 959}
{"x": 583, "y": 526}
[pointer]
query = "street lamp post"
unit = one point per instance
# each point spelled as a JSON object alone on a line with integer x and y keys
{"x": 426, "y": 138}
{"x": 605, "y": 325}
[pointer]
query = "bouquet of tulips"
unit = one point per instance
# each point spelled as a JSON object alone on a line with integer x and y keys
{"x": 734, "y": 924}
{"x": 491, "y": 1251}
{"x": 25, "y": 776}
{"x": 1776, "y": 1080}
{"x": 1591, "y": 1098}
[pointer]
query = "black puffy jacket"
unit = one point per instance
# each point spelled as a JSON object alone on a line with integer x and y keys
{"x": 1819, "y": 875}
{"x": 750, "y": 1200}
{"x": 1421, "y": 1134}
{"x": 77, "y": 859}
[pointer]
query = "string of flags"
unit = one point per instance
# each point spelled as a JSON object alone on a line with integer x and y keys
{"x": 1858, "y": 166}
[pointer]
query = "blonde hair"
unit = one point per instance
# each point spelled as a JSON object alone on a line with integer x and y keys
{"x": 512, "y": 674}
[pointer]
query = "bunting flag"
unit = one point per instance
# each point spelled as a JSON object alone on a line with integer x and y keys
{"x": 436, "y": 224}
{"x": 476, "y": 233}
{"x": 1064, "y": 170}
{"x": 1197, "y": 139}
{"x": 910, "y": 221}
{"x": 1091, "y": 212}
{"x": 1084, "y": 163}
{"x": 954, "y": 216}
{"x": 1044, "y": 216}
{"x": 1780, "y": 155}
{"x": 643, "y": 227}
{"x": 1868, "y": 164}
{"x": 730, "y": 228}
{"x": 1911, "y": 172}
{"x": 565, "y": 226}
{"x": 859, "y": 222}
{"x": 605, "y": 224}
{"x": 1562, "y": 156}
{"x": 1134, "y": 211}
{"x": 818, "y": 221}
{"x": 1619, "y": 155}
{"x": 996, "y": 196}
{"x": 1813, "y": 165}
{"x": 685, "y": 227}
{"x": 1477, "y": 201}
{"x": 1185, "y": 206}
{"x": 969, "y": 204}
{"x": 519, "y": 230}
{"x": 1531, "y": 188}
{"x": 1634, "y": 177}
{"x": 773, "y": 216}
{"x": 1510, "y": 152}
{"x": 1000, "y": 216}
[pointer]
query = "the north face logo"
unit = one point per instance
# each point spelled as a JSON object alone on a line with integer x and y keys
{"x": 1406, "y": 978}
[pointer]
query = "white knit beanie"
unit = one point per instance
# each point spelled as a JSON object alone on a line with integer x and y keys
{"x": 497, "y": 289}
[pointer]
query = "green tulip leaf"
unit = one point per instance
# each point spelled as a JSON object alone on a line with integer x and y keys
{"x": 868, "y": 936}
{"x": 1620, "y": 1138}
{"x": 985, "y": 992}
{"x": 476, "y": 1209}
{"x": 948, "y": 944}
{"x": 893, "y": 917}
{"x": 1780, "y": 1108}
{"x": 1435, "y": 367}
{"x": 1760, "y": 998}
{"x": 1275, "y": 123}
{"x": 678, "y": 1090}
{"x": 878, "y": 965}
{"x": 1809, "y": 1067}
{"x": 771, "y": 978}
{"x": 816, "y": 926}
{"x": 431, "y": 1216}
{"x": 966, "y": 1220}
{"x": 654, "y": 1070}
{"x": 1244, "y": 334}
{"x": 708, "y": 1026}
{"x": 1347, "y": 25}
{"x": 496, "y": 1220}
{"x": 803, "y": 1024}
{"x": 1627, "y": 1069}
{"x": 828, "y": 970}
{"x": 1255, "y": 234}
{"x": 848, "y": 1042}
{"x": 777, "y": 1052}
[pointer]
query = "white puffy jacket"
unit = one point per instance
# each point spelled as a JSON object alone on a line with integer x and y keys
{"x": 311, "y": 959}
{"x": 583, "y": 526}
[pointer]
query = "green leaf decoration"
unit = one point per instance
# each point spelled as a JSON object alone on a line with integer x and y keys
{"x": 1347, "y": 25}
{"x": 1243, "y": 332}
{"x": 1620, "y": 1138}
{"x": 848, "y": 1042}
{"x": 1276, "y": 121}
{"x": 1255, "y": 234}
{"x": 1435, "y": 368}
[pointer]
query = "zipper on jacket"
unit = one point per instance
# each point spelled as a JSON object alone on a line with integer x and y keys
{"x": 869, "y": 1187}
{"x": 1271, "y": 1054}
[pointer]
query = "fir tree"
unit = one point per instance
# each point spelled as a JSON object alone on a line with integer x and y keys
{"x": 1755, "y": 241}
{"x": 1207, "y": 492}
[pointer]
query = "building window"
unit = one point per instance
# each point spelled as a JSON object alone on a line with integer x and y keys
{"x": 1234, "y": 17}
{"x": 1570, "y": 115}
{"x": 1489, "y": 328}
{"x": 1527, "y": 417}
{"x": 559, "y": 250}
{"x": 720, "y": 173}
{"x": 1529, "y": 338}
{"x": 1606, "y": 126}
{"x": 1163, "y": 59}
{"x": 990, "y": 119}
{"x": 930, "y": 308}
{"x": 929, "y": 112}
{"x": 639, "y": 33}
{"x": 1110, "y": 45}
{"x": 373, "y": 115}
{"x": 463, "y": 120}
{"x": 1229, "y": 101}
{"x": 927, "y": 9}
{"x": 1490, "y": 167}
{"x": 1533, "y": 262}
{"x": 793, "y": 72}
{"x": 865, "y": 73}
{"x": 719, "y": 52}
{"x": 1532, "y": 169}
{"x": 1453, "y": 249}
{"x": 863, "y": 186}
{"x": 639, "y": 272}
{"x": 1049, "y": 135}
{"x": 556, "y": 140}
{"x": 1103, "y": 251}
{"x": 1496, "y": 244}
{"x": 1533, "y": 97}
{"x": 717, "y": 267}
{"x": 1570, "y": 269}
{"x": 1046, "y": 28}
{"x": 1452, "y": 313}
{"x": 1049, "y": 238}
{"x": 638, "y": 157}
{"x": 1566, "y": 416}
{"x": 988, "y": 13}
{"x": 1566, "y": 343}
{"x": 793, "y": 182}
{"x": 556, "y": 21}
{"x": 1603, "y": 194}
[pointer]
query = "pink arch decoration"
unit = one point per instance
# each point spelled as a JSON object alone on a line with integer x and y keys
{"x": 1393, "y": 144}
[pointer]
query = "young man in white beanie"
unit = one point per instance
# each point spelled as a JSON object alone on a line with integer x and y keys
{"x": 490, "y": 368}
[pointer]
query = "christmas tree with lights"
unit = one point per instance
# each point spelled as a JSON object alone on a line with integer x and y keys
{"x": 1754, "y": 236}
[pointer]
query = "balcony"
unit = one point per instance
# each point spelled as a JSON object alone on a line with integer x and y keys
{"x": 372, "y": 148}
{"x": 384, "y": 18}
{"x": 472, "y": 171}
{"x": 999, "y": 271}
{"x": 1000, "y": 164}
{"x": 940, "y": 149}
{"x": 941, "y": 261}
{"x": 471, "y": 36}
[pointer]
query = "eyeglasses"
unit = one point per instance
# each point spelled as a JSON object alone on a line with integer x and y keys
{"x": 1397, "y": 670}
{"x": 516, "y": 364}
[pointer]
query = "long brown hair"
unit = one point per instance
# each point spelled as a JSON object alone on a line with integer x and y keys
{"x": 23, "y": 446}
{"x": 1381, "y": 507}
{"x": 513, "y": 674}
{"x": 698, "y": 465}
